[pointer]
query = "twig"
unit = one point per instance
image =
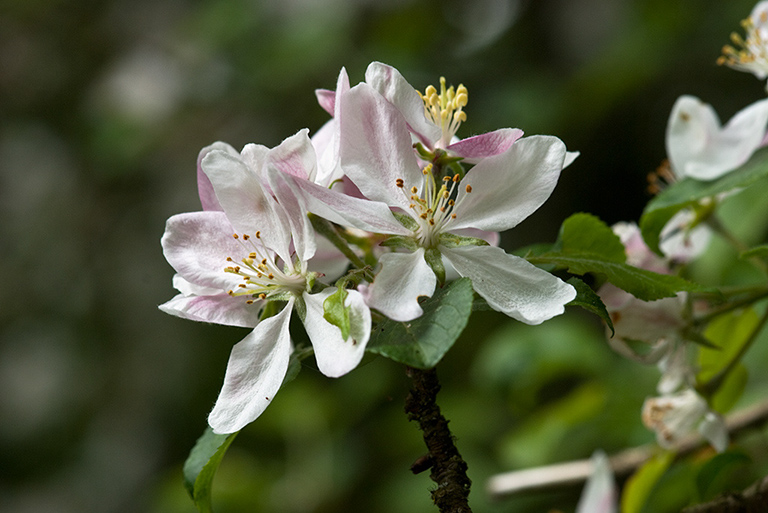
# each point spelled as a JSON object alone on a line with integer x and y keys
{"x": 623, "y": 463}
{"x": 449, "y": 470}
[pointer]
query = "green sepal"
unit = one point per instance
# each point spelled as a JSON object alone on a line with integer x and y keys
{"x": 423, "y": 342}
{"x": 406, "y": 220}
{"x": 640, "y": 485}
{"x": 401, "y": 241}
{"x": 434, "y": 259}
{"x": 201, "y": 466}
{"x": 588, "y": 299}
{"x": 424, "y": 153}
{"x": 336, "y": 312}
{"x": 690, "y": 192}
{"x": 450, "y": 240}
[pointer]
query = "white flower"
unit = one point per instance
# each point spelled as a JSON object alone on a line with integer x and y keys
{"x": 673, "y": 416}
{"x": 231, "y": 262}
{"x": 599, "y": 495}
{"x": 750, "y": 54}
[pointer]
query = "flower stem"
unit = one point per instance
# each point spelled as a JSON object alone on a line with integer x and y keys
{"x": 327, "y": 230}
{"x": 449, "y": 470}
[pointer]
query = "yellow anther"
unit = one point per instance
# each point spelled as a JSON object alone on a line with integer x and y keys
{"x": 262, "y": 296}
{"x": 229, "y": 259}
{"x": 399, "y": 182}
{"x": 456, "y": 178}
{"x": 414, "y": 190}
{"x": 235, "y": 236}
{"x": 249, "y": 302}
{"x": 248, "y": 261}
{"x": 258, "y": 234}
{"x": 246, "y": 236}
{"x": 271, "y": 276}
{"x": 469, "y": 189}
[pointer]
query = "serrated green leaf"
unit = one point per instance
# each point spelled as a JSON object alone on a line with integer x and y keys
{"x": 690, "y": 192}
{"x": 588, "y": 299}
{"x": 336, "y": 312}
{"x": 421, "y": 343}
{"x": 706, "y": 478}
{"x": 644, "y": 285}
{"x": 201, "y": 466}
{"x": 586, "y": 233}
{"x": 642, "y": 482}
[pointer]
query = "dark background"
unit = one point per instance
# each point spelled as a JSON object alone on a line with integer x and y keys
{"x": 104, "y": 105}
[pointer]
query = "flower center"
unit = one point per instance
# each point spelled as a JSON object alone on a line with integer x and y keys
{"x": 750, "y": 54}
{"x": 445, "y": 109}
{"x": 433, "y": 207}
{"x": 262, "y": 277}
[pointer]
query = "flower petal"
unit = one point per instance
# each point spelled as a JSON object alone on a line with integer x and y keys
{"x": 475, "y": 148}
{"x": 197, "y": 245}
{"x": 699, "y": 148}
{"x": 255, "y": 372}
{"x": 240, "y": 192}
{"x": 204, "y": 187}
{"x": 510, "y": 284}
{"x": 372, "y": 216}
{"x": 402, "y": 279}
{"x": 392, "y": 85}
{"x": 713, "y": 428}
{"x": 376, "y": 147}
{"x": 599, "y": 495}
{"x": 218, "y": 309}
{"x": 336, "y": 356}
{"x": 508, "y": 187}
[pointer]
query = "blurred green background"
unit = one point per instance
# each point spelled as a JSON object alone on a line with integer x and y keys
{"x": 104, "y": 105}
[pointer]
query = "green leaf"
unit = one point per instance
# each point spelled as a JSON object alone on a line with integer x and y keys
{"x": 586, "y": 233}
{"x": 421, "y": 343}
{"x": 336, "y": 312}
{"x": 642, "y": 284}
{"x": 689, "y": 192}
{"x": 641, "y": 484}
{"x": 728, "y": 332}
{"x": 201, "y": 466}
{"x": 588, "y": 299}
{"x": 706, "y": 479}
{"x": 756, "y": 252}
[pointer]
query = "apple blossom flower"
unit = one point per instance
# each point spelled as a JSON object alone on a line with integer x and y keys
{"x": 751, "y": 53}
{"x": 231, "y": 262}
{"x": 673, "y": 416}
{"x": 699, "y": 147}
{"x": 499, "y": 192}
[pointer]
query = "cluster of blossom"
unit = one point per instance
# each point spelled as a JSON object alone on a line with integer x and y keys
{"x": 387, "y": 167}
{"x": 698, "y": 147}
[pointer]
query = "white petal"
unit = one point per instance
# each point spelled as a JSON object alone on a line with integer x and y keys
{"x": 372, "y": 216}
{"x": 204, "y": 187}
{"x": 241, "y": 194}
{"x": 192, "y": 289}
{"x": 402, "y": 279}
{"x": 197, "y": 245}
{"x": 508, "y": 187}
{"x": 376, "y": 147}
{"x": 599, "y": 495}
{"x": 217, "y": 309}
{"x": 510, "y": 284}
{"x": 255, "y": 372}
{"x": 391, "y": 84}
{"x": 699, "y": 148}
{"x": 474, "y": 149}
{"x": 336, "y": 356}
{"x": 713, "y": 428}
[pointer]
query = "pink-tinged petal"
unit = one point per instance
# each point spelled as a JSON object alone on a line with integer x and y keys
{"x": 217, "y": 309}
{"x": 294, "y": 157}
{"x": 328, "y": 261}
{"x": 326, "y": 144}
{"x": 192, "y": 289}
{"x": 403, "y": 278}
{"x": 511, "y": 284}
{"x": 376, "y": 147}
{"x": 508, "y": 187}
{"x": 336, "y": 356}
{"x": 599, "y": 495}
{"x": 699, "y": 148}
{"x": 345, "y": 210}
{"x": 204, "y": 187}
{"x": 255, "y": 372}
{"x": 475, "y": 148}
{"x": 197, "y": 245}
{"x": 327, "y": 99}
{"x": 392, "y": 85}
{"x": 241, "y": 193}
